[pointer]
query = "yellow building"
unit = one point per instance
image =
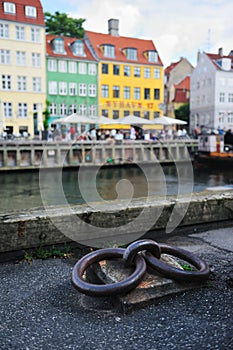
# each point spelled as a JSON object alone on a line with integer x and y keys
{"x": 22, "y": 66}
{"x": 130, "y": 74}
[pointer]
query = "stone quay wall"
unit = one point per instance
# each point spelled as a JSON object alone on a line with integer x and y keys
{"x": 23, "y": 155}
{"x": 35, "y": 227}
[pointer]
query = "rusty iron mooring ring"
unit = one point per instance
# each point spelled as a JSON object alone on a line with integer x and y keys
{"x": 199, "y": 275}
{"x": 111, "y": 289}
{"x": 143, "y": 244}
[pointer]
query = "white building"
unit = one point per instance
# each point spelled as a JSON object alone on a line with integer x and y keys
{"x": 211, "y": 95}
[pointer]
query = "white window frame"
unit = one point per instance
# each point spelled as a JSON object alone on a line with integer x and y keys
{"x": 36, "y": 59}
{"x": 146, "y": 72}
{"x": 62, "y": 66}
{"x": 20, "y": 58}
{"x": 230, "y": 97}
{"x": 21, "y": 83}
{"x": 19, "y": 33}
{"x": 104, "y": 90}
{"x": 72, "y": 67}
{"x": 92, "y": 90}
{"x": 62, "y": 88}
{"x": 36, "y": 84}
{"x": 58, "y": 46}
{"x": 35, "y": 35}
{"x": 137, "y": 93}
{"x": 222, "y": 97}
{"x": 109, "y": 51}
{"x": 156, "y": 73}
{"x": 127, "y": 92}
{"x": 52, "y": 65}
{"x": 126, "y": 71}
{"x": 152, "y": 56}
{"x": 4, "y": 31}
{"x": 52, "y": 87}
{"x": 137, "y": 72}
{"x": 6, "y": 82}
{"x": 5, "y": 56}
{"x": 82, "y": 68}
{"x": 7, "y": 109}
{"x": 63, "y": 109}
{"x": 78, "y": 48}
{"x": 53, "y": 108}
{"x": 92, "y": 111}
{"x": 22, "y": 110}
{"x": 73, "y": 89}
{"x": 30, "y": 11}
{"x": 73, "y": 108}
{"x": 82, "y": 109}
{"x": 131, "y": 54}
{"x": 9, "y": 7}
{"x": 92, "y": 69}
{"x": 82, "y": 89}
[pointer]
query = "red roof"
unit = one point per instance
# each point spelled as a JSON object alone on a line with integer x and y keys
{"x": 20, "y": 16}
{"x": 171, "y": 67}
{"x": 67, "y": 46}
{"x": 216, "y": 57}
{"x": 121, "y": 43}
{"x": 183, "y": 84}
{"x": 181, "y": 96}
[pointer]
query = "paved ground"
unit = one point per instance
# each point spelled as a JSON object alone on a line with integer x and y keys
{"x": 41, "y": 310}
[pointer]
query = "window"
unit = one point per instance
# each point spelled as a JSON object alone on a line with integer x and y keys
{"x": 22, "y": 110}
{"x": 30, "y": 11}
{"x": 156, "y": 94}
{"x": 147, "y": 115}
{"x": 127, "y": 92}
{"x": 82, "y": 90}
{"x": 52, "y": 87}
{"x": 92, "y": 111}
{"x": 109, "y": 51}
{"x": 137, "y": 93}
{"x": 20, "y": 58}
{"x": 92, "y": 69}
{"x": 152, "y": 56}
{"x": 21, "y": 83}
{"x": 137, "y": 114}
{"x": 8, "y": 112}
{"x": 146, "y": 72}
{"x": 53, "y": 109}
{"x": 9, "y": 7}
{"x": 58, "y": 46}
{"x": 36, "y": 84}
{"x": 115, "y": 114}
{"x": 83, "y": 110}
{"x": 131, "y": 54}
{"x": 137, "y": 71}
{"x": 104, "y": 91}
{"x": 230, "y": 97}
{"x": 116, "y": 69}
{"x": 62, "y": 67}
{"x": 73, "y": 108}
{"x": 157, "y": 73}
{"x": 116, "y": 91}
{"x": 63, "y": 109}
{"x": 72, "y": 67}
{"x": 105, "y": 112}
{"x": 4, "y": 31}
{"x": 5, "y": 57}
{"x": 52, "y": 65}
{"x": 104, "y": 68}
{"x": 127, "y": 71}
{"x": 222, "y": 97}
{"x": 62, "y": 88}
{"x": 82, "y": 68}
{"x": 72, "y": 89}
{"x": 35, "y": 35}
{"x": 78, "y": 48}
{"x": 19, "y": 33}
{"x": 92, "y": 90}
{"x": 36, "y": 59}
{"x": 156, "y": 114}
{"x": 146, "y": 94}
{"x": 126, "y": 113}
{"x": 6, "y": 82}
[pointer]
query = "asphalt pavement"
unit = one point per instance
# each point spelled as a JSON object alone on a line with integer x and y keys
{"x": 41, "y": 310}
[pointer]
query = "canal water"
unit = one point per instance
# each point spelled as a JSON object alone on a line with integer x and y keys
{"x": 29, "y": 189}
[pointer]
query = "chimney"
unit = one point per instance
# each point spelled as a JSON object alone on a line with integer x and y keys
{"x": 220, "y": 51}
{"x": 113, "y": 27}
{"x": 198, "y": 56}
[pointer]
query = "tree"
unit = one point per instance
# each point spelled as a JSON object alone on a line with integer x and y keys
{"x": 61, "y": 24}
{"x": 46, "y": 114}
{"x": 183, "y": 112}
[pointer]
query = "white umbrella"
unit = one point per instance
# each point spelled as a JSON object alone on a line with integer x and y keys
{"x": 133, "y": 120}
{"x": 2, "y": 118}
{"x": 105, "y": 120}
{"x": 75, "y": 119}
{"x": 163, "y": 120}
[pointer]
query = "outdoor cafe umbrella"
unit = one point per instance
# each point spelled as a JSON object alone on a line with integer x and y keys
{"x": 163, "y": 120}
{"x": 133, "y": 120}
{"x": 75, "y": 119}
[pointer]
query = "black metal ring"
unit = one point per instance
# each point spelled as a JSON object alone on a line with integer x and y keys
{"x": 138, "y": 246}
{"x": 168, "y": 271}
{"x": 120, "y": 287}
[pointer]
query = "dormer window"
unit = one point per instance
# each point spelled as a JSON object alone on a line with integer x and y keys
{"x": 58, "y": 46}
{"x": 152, "y": 56}
{"x": 109, "y": 51}
{"x": 131, "y": 54}
{"x": 30, "y": 11}
{"x": 78, "y": 48}
{"x": 9, "y": 7}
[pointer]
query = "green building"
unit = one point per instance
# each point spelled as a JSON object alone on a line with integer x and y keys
{"x": 72, "y": 78}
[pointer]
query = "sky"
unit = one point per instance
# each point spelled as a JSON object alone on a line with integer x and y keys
{"x": 178, "y": 28}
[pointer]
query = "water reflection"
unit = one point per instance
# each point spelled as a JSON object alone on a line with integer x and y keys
{"x": 21, "y": 190}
